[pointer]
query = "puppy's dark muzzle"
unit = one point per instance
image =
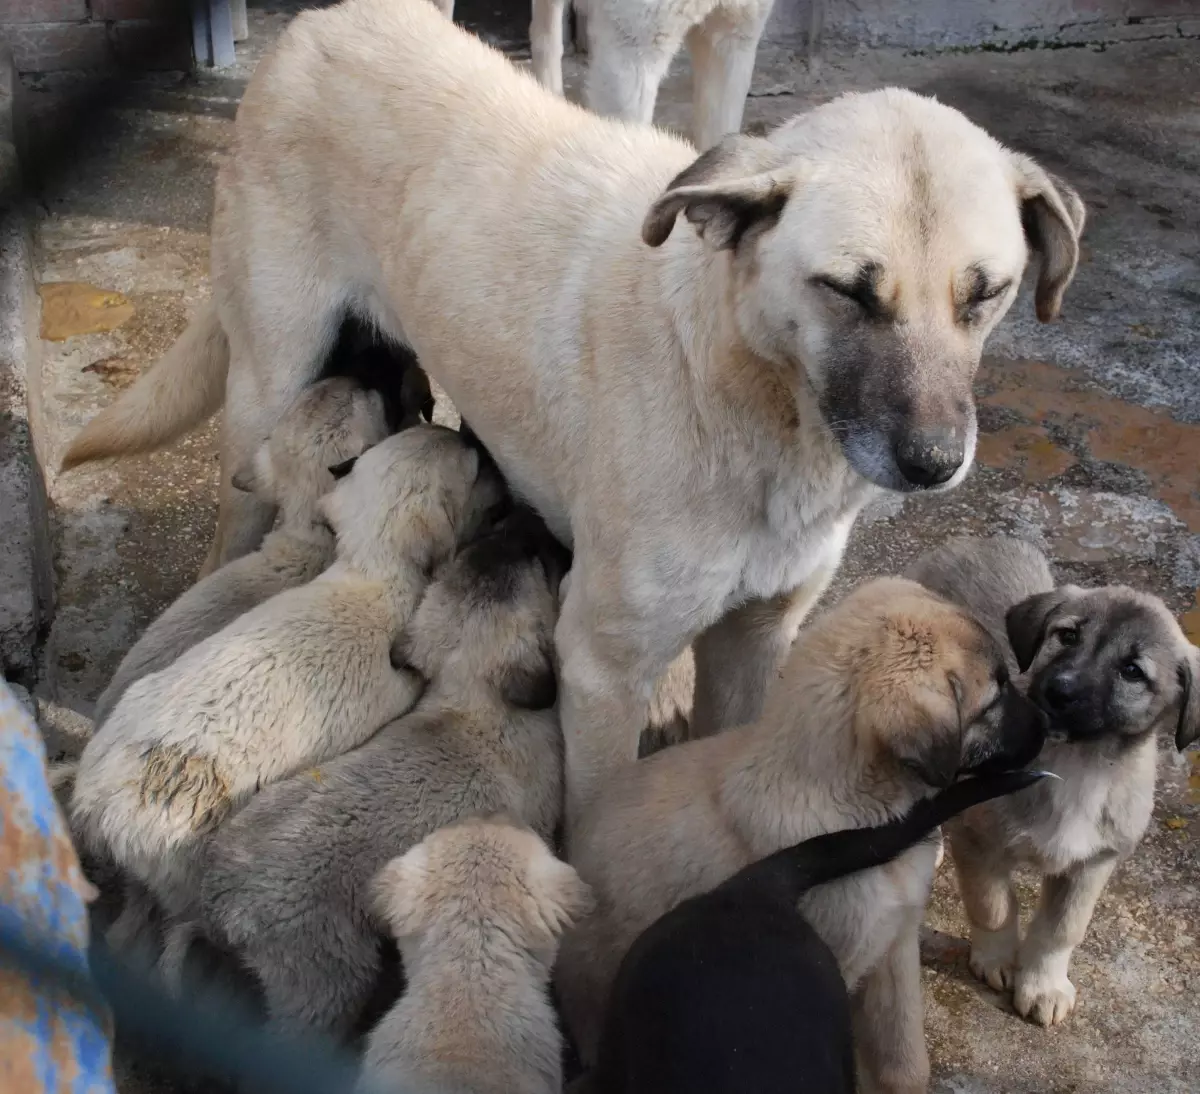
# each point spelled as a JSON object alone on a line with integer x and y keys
{"x": 1068, "y": 704}
{"x": 1019, "y": 739}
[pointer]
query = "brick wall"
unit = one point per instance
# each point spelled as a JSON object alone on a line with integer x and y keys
{"x": 58, "y": 35}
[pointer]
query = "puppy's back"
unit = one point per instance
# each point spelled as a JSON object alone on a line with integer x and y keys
{"x": 985, "y": 576}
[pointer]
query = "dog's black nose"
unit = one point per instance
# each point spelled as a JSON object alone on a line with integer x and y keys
{"x": 929, "y": 457}
{"x": 1062, "y": 691}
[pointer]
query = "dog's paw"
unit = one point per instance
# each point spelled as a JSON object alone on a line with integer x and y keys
{"x": 1043, "y": 999}
{"x": 993, "y": 958}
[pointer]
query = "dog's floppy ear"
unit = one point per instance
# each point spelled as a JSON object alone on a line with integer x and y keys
{"x": 1189, "y": 701}
{"x": 530, "y": 684}
{"x": 936, "y": 754}
{"x": 398, "y": 892}
{"x": 1053, "y": 215}
{"x": 562, "y": 898}
{"x": 1026, "y": 623}
{"x": 735, "y": 186}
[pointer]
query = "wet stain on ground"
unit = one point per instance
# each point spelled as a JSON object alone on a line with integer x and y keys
{"x": 1060, "y": 421}
{"x": 71, "y": 308}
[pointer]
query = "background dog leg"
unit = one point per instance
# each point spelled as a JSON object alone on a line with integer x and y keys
{"x": 738, "y": 657}
{"x": 546, "y": 42}
{"x": 990, "y": 901}
{"x": 890, "y": 1021}
{"x": 623, "y": 74}
{"x": 1042, "y": 992}
{"x": 723, "y": 49}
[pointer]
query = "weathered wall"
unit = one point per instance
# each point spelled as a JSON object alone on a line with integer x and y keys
{"x": 56, "y": 35}
{"x": 923, "y": 24}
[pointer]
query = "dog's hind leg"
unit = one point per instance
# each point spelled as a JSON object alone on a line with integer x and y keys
{"x": 723, "y": 49}
{"x": 546, "y": 42}
{"x": 624, "y": 71}
{"x": 280, "y": 334}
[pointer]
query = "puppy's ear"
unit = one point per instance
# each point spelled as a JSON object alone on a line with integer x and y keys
{"x": 398, "y": 892}
{"x": 531, "y": 683}
{"x": 1189, "y": 701}
{"x": 1053, "y": 215}
{"x": 1026, "y": 624}
{"x": 561, "y": 896}
{"x": 341, "y": 470}
{"x": 415, "y": 393}
{"x": 736, "y": 186}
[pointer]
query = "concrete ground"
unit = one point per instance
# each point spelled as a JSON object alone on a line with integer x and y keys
{"x": 1090, "y": 446}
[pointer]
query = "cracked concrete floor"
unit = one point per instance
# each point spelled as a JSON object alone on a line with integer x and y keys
{"x": 1090, "y": 446}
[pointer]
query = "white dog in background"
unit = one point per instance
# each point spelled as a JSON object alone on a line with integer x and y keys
{"x": 631, "y": 44}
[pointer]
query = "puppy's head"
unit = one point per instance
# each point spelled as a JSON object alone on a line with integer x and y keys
{"x": 409, "y": 499}
{"x": 1107, "y": 662}
{"x": 874, "y": 243}
{"x": 483, "y": 875}
{"x": 923, "y": 684}
{"x": 374, "y": 361}
{"x": 488, "y": 616}
{"x": 330, "y": 422}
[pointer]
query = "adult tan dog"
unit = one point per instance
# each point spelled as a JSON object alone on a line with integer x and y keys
{"x": 888, "y": 697}
{"x": 699, "y": 411}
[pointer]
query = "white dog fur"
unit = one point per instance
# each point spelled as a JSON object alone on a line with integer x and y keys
{"x": 477, "y": 909}
{"x": 331, "y": 422}
{"x": 295, "y": 681}
{"x": 699, "y": 410}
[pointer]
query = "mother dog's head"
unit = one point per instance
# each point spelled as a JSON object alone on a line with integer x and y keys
{"x": 874, "y": 244}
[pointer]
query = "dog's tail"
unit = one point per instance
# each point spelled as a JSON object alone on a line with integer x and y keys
{"x": 184, "y": 388}
{"x": 795, "y": 870}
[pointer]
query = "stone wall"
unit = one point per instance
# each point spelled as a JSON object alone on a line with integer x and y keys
{"x": 59, "y": 35}
{"x": 932, "y": 24}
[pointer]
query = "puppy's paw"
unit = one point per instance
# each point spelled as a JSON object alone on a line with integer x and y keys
{"x": 993, "y": 958}
{"x": 1043, "y": 998}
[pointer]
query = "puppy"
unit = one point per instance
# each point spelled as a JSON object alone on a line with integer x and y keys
{"x": 784, "y": 1011}
{"x": 297, "y": 680}
{"x": 477, "y": 909}
{"x": 885, "y": 699}
{"x": 1111, "y": 669}
{"x": 288, "y": 878}
{"x": 330, "y": 422}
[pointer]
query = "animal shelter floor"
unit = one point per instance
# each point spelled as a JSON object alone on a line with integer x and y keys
{"x": 1089, "y": 445}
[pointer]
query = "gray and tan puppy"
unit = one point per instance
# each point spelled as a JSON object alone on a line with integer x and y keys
{"x": 1112, "y": 669}
{"x": 477, "y": 910}
{"x": 288, "y": 878}
{"x": 329, "y": 423}
{"x": 883, "y": 700}
{"x": 295, "y": 681}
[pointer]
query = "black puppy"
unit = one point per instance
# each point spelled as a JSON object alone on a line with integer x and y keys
{"x": 379, "y": 364}
{"x": 732, "y": 992}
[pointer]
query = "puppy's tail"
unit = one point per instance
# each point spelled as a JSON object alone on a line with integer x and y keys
{"x": 795, "y": 870}
{"x": 184, "y": 388}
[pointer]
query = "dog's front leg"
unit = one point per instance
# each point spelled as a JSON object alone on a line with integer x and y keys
{"x": 1042, "y": 992}
{"x": 606, "y": 680}
{"x": 889, "y": 1020}
{"x": 738, "y": 656}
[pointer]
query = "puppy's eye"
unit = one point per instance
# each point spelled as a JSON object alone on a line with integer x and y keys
{"x": 1068, "y": 636}
{"x": 1132, "y": 672}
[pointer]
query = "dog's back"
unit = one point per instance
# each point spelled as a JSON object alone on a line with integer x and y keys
{"x": 734, "y": 990}
{"x": 985, "y": 576}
